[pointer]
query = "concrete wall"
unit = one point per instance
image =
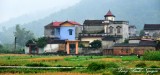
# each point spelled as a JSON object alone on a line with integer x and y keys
{"x": 134, "y": 41}
{"x": 123, "y": 31}
{"x": 92, "y": 29}
{"x": 51, "y": 48}
{"x": 48, "y": 33}
{"x": 64, "y": 33}
{"x": 48, "y": 48}
{"x": 26, "y": 50}
{"x": 131, "y": 50}
{"x": 90, "y": 39}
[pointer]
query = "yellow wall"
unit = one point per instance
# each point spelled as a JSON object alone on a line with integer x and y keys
{"x": 67, "y": 24}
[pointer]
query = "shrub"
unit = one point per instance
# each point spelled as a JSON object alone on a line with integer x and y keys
{"x": 141, "y": 65}
{"x": 37, "y": 65}
{"x": 95, "y": 66}
{"x": 153, "y": 66}
{"x": 96, "y": 44}
{"x": 152, "y": 55}
{"x": 111, "y": 65}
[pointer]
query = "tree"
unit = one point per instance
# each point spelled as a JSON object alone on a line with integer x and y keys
{"x": 22, "y": 35}
{"x": 142, "y": 33}
{"x": 41, "y": 42}
{"x": 126, "y": 41}
{"x": 96, "y": 44}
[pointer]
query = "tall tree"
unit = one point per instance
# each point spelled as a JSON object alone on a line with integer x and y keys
{"x": 142, "y": 33}
{"x": 22, "y": 35}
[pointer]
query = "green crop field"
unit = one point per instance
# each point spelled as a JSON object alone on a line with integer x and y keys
{"x": 71, "y": 61}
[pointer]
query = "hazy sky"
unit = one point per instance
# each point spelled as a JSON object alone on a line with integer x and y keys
{"x": 14, "y": 8}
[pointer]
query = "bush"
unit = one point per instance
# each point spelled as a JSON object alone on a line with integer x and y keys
{"x": 153, "y": 66}
{"x": 96, "y": 44}
{"x": 152, "y": 55}
{"x": 37, "y": 65}
{"x": 141, "y": 65}
{"x": 95, "y": 66}
{"x": 111, "y": 65}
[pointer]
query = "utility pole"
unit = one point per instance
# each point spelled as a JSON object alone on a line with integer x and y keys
{"x": 15, "y": 43}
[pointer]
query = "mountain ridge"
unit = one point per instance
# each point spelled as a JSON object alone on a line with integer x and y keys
{"x": 136, "y": 12}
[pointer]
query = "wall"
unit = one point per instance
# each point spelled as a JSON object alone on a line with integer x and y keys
{"x": 131, "y": 50}
{"x": 47, "y": 33}
{"x": 26, "y": 50}
{"x": 51, "y": 48}
{"x": 107, "y": 44}
{"x": 93, "y": 29}
{"x": 134, "y": 41}
{"x": 91, "y": 39}
{"x": 124, "y": 30}
{"x": 64, "y": 32}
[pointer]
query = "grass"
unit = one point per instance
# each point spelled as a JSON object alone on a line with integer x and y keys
{"x": 74, "y": 61}
{"x": 49, "y": 73}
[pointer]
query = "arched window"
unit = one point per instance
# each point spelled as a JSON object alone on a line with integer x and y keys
{"x": 110, "y": 29}
{"x": 118, "y": 29}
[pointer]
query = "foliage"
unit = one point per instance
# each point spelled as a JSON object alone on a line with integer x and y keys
{"x": 126, "y": 41}
{"x": 153, "y": 66}
{"x": 111, "y": 65}
{"x": 95, "y": 66}
{"x": 37, "y": 65}
{"x": 41, "y": 42}
{"x": 96, "y": 44}
{"x": 81, "y": 45}
{"x": 141, "y": 65}
{"x": 142, "y": 33}
{"x": 152, "y": 55}
{"x": 22, "y": 35}
{"x": 29, "y": 42}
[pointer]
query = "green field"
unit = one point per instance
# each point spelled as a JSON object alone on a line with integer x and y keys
{"x": 69, "y": 61}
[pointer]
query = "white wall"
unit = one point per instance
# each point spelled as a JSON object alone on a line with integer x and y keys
{"x": 26, "y": 50}
{"x": 51, "y": 48}
{"x": 91, "y": 39}
{"x": 47, "y": 48}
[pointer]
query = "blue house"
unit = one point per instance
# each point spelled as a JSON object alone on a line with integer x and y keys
{"x": 67, "y": 31}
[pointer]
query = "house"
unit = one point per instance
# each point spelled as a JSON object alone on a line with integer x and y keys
{"x": 132, "y": 30}
{"x": 61, "y": 36}
{"x": 152, "y": 30}
{"x": 67, "y": 31}
{"x": 105, "y": 30}
{"x": 134, "y": 48}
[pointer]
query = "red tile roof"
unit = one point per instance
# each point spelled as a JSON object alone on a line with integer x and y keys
{"x": 73, "y": 22}
{"x": 109, "y": 13}
{"x": 56, "y": 24}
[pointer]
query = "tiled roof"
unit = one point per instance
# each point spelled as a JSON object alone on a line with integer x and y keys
{"x": 109, "y": 13}
{"x": 132, "y": 26}
{"x": 58, "y": 24}
{"x": 152, "y": 27}
{"x": 93, "y": 22}
{"x": 111, "y": 37}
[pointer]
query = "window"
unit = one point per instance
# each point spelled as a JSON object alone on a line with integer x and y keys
{"x": 52, "y": 32}
{"x": 70, "y": 31}
{"x": 118, "y": 29}
{"x": 110, "y": 29}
